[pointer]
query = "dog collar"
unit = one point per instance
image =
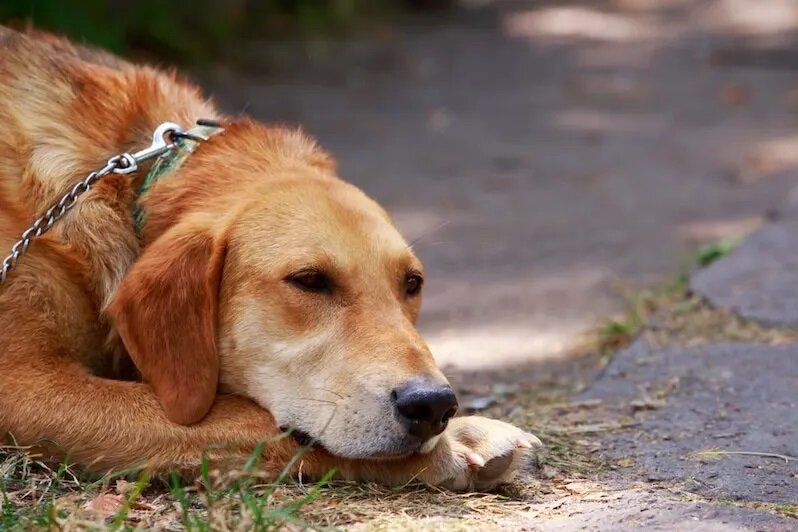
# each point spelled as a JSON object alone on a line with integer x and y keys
{"x": 183, "y": 146}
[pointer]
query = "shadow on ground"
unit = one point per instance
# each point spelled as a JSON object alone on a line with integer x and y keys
{"x": 546, "y": 155}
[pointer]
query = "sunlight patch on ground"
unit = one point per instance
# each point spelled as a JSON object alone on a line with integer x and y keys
{"x": 496, "y": 345}
{"x": 770, "y": 157}
{"x": 751, "y": 17}
{"x": 703, "y": 231}
{"x": 597, "y": 121}
{"x": 646, "y": 20}
{"x": 577, "y": 21}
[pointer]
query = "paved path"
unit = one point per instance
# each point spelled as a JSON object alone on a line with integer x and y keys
{"x": 712, "y": 420}
{"x": 547, "y": 154}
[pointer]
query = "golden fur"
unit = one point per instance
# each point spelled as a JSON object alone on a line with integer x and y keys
{"x": 127, "y": 351}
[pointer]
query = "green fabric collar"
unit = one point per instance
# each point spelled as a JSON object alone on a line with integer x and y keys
{"x": 168, "y": 163}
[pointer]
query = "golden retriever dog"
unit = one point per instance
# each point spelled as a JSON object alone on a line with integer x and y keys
{"x": 261, "y": 294}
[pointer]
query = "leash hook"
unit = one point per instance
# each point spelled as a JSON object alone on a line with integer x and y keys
{"x": 127, "y": 163}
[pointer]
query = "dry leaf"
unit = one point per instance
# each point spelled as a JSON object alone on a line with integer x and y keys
{"x": 105, "y": 504}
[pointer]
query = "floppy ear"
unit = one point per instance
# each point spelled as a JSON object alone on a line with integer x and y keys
{"x": 166, "y": 313}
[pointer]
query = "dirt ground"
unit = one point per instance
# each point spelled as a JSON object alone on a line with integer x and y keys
{"x": 548, "y": 159}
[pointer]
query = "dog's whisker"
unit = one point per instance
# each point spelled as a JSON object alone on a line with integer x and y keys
{"x": 337, "y": 394}
{"x": 428, "y": 233}
{"x": 313, "y": 399}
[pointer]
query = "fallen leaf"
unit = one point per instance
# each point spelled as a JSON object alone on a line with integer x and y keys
{"x": 580, "y": 488}
{"x": 105, "y": 504}
{"x": 734, "y": 95}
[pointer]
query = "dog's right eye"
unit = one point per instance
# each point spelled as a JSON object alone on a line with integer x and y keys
{"x": 311, "y": 281}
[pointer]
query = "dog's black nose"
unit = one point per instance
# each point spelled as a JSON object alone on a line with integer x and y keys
{"x": 425, "y": 407}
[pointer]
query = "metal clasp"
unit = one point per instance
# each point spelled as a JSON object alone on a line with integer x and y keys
{"x": 161, "y": 143}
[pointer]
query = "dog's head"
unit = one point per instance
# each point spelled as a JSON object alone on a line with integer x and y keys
{"x": 286, "y": 285}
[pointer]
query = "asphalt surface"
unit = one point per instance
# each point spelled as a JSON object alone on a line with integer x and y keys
{"x": 548, "y": 157}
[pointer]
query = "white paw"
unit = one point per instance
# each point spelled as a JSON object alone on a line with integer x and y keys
{"x": 478, "y": 454}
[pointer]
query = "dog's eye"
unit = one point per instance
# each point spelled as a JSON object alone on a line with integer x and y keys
{"x": 413, "y": 283}
{"x": 311, "y": 281}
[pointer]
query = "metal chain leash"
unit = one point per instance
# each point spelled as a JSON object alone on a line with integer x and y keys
{"x": 124, "y": 163}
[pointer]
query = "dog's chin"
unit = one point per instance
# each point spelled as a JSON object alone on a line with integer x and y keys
{"x": 393, "y": 452}
{"x": 416, "y": 448}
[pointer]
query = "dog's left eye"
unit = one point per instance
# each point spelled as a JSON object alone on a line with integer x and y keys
{"x": 413, "y": 283}
{"x": 311, "y": 281}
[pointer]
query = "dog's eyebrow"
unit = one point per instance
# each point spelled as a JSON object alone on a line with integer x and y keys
{"x": 307, "y": 258}
{"x": 310, "y": 268}
{"x": 405, "y": 262}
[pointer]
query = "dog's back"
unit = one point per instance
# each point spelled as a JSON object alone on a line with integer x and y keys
{"x": 40, "y": 77}
{"x": 65, "y": 110}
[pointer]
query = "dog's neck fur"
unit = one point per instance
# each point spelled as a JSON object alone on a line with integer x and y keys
{"x": 228, "y": 163}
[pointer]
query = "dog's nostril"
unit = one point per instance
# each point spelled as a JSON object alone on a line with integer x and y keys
{"x": 449, "y": 414}
{"x": 415, "y": 412}
{"x": 394, "y": 396}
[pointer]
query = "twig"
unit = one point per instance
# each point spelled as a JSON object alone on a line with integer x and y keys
{"x": 784, "y": 457}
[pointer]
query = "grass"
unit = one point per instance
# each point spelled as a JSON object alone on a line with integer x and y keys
{"x": 721, "y": 453}
{"x": 709, "y": 253}
{"x": 567, "y": 454}
{"x": 783, "y": 509}
{"x": 36, "y": 494}
{"x": 641, "y": 307}
{"x": 671, "y": 315}
{"x": 209, "y": 30}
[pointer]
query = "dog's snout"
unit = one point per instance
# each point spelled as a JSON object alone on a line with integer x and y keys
{"x": 425, "y": 407}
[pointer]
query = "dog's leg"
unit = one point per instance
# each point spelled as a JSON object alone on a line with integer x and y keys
{"x": 116, "y": 424}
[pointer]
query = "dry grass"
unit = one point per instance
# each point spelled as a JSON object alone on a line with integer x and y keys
{"x": 690, "y": 321}
{"x": 782, "y": 509}
{"x": 670, "y": 315}
{"x": 35, "y": 494}
{"x": 48, "y": 499}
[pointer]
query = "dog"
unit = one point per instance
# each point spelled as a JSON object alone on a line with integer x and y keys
{"x": 260, "y": 296}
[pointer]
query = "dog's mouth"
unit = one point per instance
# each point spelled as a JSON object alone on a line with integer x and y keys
{"x": 303, "y": 438}
{"x": 306, "y": 440}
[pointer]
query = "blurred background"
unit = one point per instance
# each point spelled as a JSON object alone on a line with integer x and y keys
{"x": 546, "y": 157}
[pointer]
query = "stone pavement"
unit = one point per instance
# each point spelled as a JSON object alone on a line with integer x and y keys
{"x": 711, "y": 422}
{"x": 712, "y": 399}
{"x": 760, "y": 280}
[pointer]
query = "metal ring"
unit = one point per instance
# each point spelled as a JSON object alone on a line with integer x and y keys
{"x": 129, "y": 162}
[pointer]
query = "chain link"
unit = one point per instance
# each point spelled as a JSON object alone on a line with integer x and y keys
{"x": 124, "y": 163}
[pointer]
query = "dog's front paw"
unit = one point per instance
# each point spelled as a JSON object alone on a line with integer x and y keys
{"x": 477, "y": 453}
